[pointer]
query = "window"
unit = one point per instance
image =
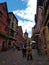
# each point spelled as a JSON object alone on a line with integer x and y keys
{"x": 12, "y": 25}
{"x": 0, "y": 22}
{"x": 48, "y": 26}
{"x": 12, "y": 33}
{"x": 4, "y": 8}
{"x": 0, "y": 14}
{"x": 8, "y": 20}
{"x": 13, "y": 18}
{"x": 6, "y": 29}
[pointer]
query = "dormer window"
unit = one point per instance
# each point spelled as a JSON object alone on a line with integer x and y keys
{"x": 4, "y": 8}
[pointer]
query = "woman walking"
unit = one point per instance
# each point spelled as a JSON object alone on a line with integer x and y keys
{"x": 29, "y": 52}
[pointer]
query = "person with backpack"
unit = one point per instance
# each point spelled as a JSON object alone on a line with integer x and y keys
{"x": 29, "y": 52}
{"x": 24, "y": 50}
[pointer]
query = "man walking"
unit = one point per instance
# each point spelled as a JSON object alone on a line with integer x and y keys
{"x": 24, "y": 50}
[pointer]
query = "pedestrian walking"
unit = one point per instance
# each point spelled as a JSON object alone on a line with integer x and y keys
{"x": 24, "y": 50}
{"x": 29, "y": 52}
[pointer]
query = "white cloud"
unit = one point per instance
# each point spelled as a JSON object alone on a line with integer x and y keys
{"x": 28, "y": 14}
{"x": 26, "y": 26}
{"x": 30, "y": 35}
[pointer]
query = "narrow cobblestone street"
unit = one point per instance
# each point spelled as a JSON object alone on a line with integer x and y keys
{"x": 11, "y": 57}
{"x": 24, "y": 25}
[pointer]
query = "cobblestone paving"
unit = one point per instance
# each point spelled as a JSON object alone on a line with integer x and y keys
{"x": 15, "y": 58}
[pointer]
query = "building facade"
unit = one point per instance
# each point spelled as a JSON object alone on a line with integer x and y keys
{"x": 8, "y": 27}
{"x": 33, "y": 33}
{"x": 12, "y": 28}
{"x": 20, "y": 38}
{"x": 26, "y": 35}
{"x": 46, "y": 25}
{"x": 42, "y": 25}
{"x": 3, "y": 25}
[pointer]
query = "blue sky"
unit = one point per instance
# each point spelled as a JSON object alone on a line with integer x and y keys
{"x": 25, "y": 11}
